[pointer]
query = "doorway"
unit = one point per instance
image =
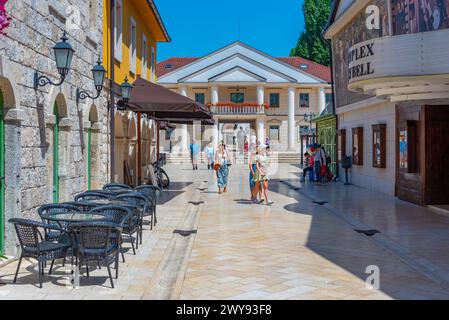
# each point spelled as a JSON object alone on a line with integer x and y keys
{"x": 437, "y": 155}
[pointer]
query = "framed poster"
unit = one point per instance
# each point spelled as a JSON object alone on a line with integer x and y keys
{"x": 341, "y": 144}
{"x": 403, "y": 147}
{"x": 407, "y": 146}
{"x": 379, "y": 146}
{"x": 357, "y": 146}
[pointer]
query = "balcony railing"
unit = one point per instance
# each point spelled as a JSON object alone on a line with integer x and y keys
{"x": 246, "y": 108}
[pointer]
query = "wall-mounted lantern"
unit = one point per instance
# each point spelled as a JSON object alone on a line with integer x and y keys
{"x": 98, "y": 73}
{"x": 125, "y": 92}
{"x": 63, "y": 57}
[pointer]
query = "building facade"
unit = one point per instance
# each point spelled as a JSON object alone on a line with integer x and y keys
{"x": 51, "y": 146}
{"x": 392, "y": 95}
{"x": 247, "y": 91}
{"x": 138, "y": 27}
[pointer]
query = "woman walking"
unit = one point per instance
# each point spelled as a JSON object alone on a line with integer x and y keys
{"x": 252, "y": 175}
{"x": 261, "y": 174}
{"x": 221, "y": 161}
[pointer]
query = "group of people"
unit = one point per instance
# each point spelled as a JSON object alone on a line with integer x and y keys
{"x": 220, "y": 162}
{"x": 258, "y": 174}
{"x": 317, "y": 165}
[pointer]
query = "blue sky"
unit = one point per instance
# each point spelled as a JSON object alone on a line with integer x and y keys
{"x": 198, "y": 27}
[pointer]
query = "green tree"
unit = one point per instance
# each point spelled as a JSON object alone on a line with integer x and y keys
{"x": 310, "y": 44}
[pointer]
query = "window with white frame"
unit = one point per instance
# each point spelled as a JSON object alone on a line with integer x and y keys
{"x": 152, "y": 62}
{"x": 118, "y": 30}
{"x": 132, "y": 45}
{"x": 274, "y": 132}
{"x": 144, "y": 57}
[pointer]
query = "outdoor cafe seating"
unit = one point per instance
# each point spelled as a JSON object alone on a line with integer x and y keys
{"x": 90, "y": 228}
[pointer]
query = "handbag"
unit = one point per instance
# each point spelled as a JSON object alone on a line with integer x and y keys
{"x": 216, "y": 166}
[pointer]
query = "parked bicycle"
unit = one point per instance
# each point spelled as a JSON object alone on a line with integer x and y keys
{"x": 162, "y": 178}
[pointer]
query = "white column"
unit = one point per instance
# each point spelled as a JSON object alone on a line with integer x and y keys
{"x": 214, "y": 95}
{"x": 321, "y": 100}
{"x": 215, "y": 135}
{"x": 214, "y": 100}
{"x": 184, "y": 132}
{"x": 260, "y": 95}
{"x": 291, "y": 119}
{"x": 261, "y": 131}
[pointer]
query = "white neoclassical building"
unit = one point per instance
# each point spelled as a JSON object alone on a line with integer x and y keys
{"x": 247, "y": 91}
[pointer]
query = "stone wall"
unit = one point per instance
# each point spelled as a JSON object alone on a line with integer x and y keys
{"x": 29, "y": 119}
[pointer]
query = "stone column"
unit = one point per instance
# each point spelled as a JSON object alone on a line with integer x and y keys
{"x": 214, "y": 100}
{"x": 321, "y": 100}
{"x": 291, "y": 119}
{"x": 184, "y": 132}
{"x": 261, "y": 131}
{"x": 260, "y": 95}
{"x": 214, "y": 95}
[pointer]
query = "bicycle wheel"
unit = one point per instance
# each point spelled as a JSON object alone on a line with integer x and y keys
{"x": 164, "y": 179}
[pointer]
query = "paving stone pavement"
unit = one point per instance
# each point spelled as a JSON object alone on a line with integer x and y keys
{"x": 294, "y": 249}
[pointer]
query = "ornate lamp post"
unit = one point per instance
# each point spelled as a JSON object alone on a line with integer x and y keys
{"x": 63, "y": 57}
{"x": 98, "y": 73}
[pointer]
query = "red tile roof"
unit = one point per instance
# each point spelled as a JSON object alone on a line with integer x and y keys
{"x": 313, "y": 68}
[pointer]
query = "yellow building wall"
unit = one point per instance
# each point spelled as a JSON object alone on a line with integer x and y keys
{"x": 133, "y": 9}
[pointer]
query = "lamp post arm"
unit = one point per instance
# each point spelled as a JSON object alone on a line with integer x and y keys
{"x": 81, "y": 95}
{"x": 40, "y": 81}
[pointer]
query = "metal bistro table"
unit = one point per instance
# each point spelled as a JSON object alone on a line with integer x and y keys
{"x": 66, "y": 218}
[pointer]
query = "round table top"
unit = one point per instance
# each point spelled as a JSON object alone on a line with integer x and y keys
{"x": 75, "y": 216}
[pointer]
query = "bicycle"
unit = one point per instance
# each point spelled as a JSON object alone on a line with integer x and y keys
{"x": 162, "y": 178}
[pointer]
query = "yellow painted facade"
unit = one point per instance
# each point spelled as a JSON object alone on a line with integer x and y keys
{"x": 147, "y": 24}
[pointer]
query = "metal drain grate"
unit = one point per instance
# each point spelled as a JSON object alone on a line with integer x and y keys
{"x": 184, "y": 233}
{"x": 320, "y": 202}
{"x": 202, "y": 189}
{"x": 369, "y": 232}
{"x": 195, "y": 203}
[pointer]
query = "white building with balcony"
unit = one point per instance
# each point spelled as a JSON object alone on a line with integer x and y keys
{"x": 252, "y": 95}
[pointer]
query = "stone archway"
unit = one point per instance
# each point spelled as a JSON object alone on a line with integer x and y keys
{"x": 59, "y": 127}
{"x": 132, "y": 149}
{"x": 120, "y": 143}
{"x": 11, "y": 151}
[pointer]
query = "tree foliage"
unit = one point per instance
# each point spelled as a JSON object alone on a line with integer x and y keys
{"x": 310, "y": 44}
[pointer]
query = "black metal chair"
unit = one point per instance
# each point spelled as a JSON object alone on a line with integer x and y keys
{"x": 92, "y": 195}
{"x": 122, "y": 216}
{"x": 34, "y": 246}
{"x": 98, "y": 241}
{"x": 152, "y": 193}
{"x": 55, "y": 208}
{"x": 115, "y": 186}
{"x": 139, "y": 200}
{"x": 83, "y": 206}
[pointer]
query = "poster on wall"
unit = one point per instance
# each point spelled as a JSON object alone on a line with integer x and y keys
{"x": 403, "y": 146}
{"x": 412, "y": 16}
{"x": 377, "y": 149}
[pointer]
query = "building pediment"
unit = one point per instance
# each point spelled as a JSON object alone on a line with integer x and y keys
{"x": 237, "y": 74}
{"x": 238, "y": 56}
{"x": 237, "y": 62}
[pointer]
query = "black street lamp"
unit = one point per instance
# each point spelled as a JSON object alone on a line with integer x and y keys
{"x": 98, "y": 73}
{"x": 63, "y": 57}
{"x": 125, "y": 92}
